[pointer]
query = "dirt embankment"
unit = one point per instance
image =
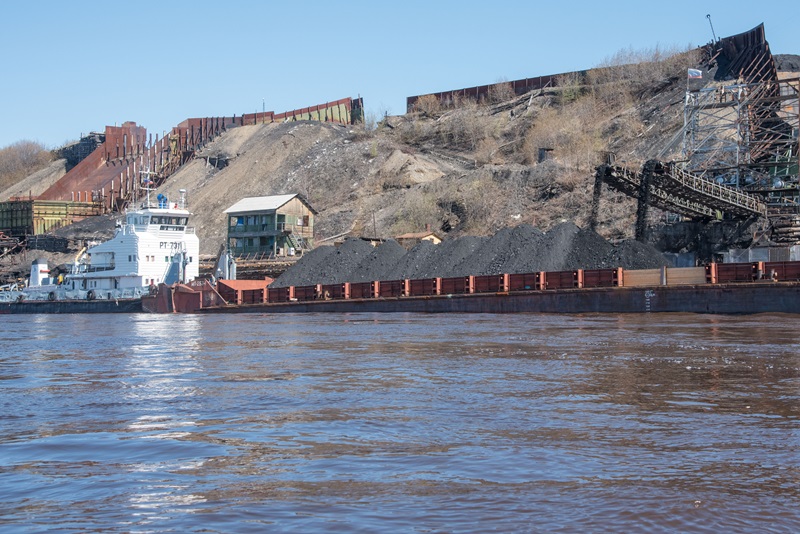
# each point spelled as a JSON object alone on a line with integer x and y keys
{"x": 37, "y": 183}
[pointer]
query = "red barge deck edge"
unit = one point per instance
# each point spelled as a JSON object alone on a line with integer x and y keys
{"x": 746, "y": 298}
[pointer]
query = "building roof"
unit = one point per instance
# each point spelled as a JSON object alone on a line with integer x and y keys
{"x": 418, "y": 235}
{"x": 262, "y": 204}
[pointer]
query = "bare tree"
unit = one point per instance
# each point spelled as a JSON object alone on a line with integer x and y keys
{"x": 20, "y": 160}
{"x": 427, "y": 104}
{"x": 501, "y": 92}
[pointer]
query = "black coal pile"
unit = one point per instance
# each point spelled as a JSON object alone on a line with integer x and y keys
{"x": 414, "y": 262}
{"x": 338, "y": 267}
{"x": 452, "y": 258}
{"x": 99, "y": 228}
{"x": 502, "y": 251}
{"x": 588, "y": 250}
{"x": 379, "y": 264}
{"x": 307, "y": 269}
{"x": 523, "y": 249}
{"x": 632, "y": 254}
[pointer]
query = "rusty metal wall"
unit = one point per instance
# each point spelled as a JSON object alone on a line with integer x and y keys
{"x": 745, "y": 55}
{"x": 481, "y": 92}
{"x": 111, "y": 174}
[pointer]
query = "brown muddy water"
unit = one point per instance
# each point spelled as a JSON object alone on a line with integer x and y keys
{"x": 400, "y": 423}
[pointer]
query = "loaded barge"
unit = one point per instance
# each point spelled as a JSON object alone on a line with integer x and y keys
{"x": 759, "y": 287}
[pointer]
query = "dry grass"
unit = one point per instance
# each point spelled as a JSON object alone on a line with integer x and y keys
{"x": 428, "y": 104}
{"x": 573, "y": 132}
{"x": 501, "y": 92}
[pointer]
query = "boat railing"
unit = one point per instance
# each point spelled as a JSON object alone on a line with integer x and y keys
{"x": 88, "y": 268}
{"x": 72, "y": 295}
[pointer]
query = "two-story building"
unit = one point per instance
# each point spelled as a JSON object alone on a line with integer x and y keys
{"x": 272, "y": 226}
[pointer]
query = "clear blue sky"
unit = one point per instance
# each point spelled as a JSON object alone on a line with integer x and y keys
{"x": 74, "y": 67}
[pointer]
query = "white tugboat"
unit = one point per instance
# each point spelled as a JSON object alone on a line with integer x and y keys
{"x": 153, "y": 245}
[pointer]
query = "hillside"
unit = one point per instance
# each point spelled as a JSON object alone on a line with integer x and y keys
{"x": 35, "y": 184}
{"x": 470, "y": 170}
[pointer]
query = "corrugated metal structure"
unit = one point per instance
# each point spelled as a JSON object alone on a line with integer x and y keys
{"x": 20, "y": 218}
{"x": 111, "y": 174}
{"x": 483, "y": 92}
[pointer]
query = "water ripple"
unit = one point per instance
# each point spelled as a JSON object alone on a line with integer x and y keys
{"x": 364, "y": 423}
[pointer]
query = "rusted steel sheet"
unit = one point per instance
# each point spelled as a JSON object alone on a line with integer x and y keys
{"x": 361, "y": 290}
{"x": 110, "y": 175}
{"x": 489, "y": 283}
{"x": 481, "y": 92}
{"x": 745, "y": 56}
{"x": 526, "y": 281}
{"x": 721, "y": 298}
{"x": 784, "y": 271}
{"x": 736, "y": 272}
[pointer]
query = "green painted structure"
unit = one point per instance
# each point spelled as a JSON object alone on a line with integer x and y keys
{"x": 19, "y": 218}
{"x": 271, "y": 226}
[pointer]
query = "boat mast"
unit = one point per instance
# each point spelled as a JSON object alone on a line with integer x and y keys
{"x": 146, "y": 184}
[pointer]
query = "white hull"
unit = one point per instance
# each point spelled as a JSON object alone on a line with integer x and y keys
{"x": 153, "y": 246}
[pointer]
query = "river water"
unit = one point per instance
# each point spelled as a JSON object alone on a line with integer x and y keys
{"x": 400, "y": 423}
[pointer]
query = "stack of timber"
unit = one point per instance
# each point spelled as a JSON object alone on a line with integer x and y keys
{"x": 786, "y": 229}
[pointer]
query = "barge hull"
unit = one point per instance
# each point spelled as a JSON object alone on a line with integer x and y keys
{"x": 72, "y": 306}
{"x": 717, "y": 298}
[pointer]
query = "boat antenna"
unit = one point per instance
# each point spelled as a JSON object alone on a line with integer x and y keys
{"x": 714, "y": 35}
{"x": 146, "y": 183}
